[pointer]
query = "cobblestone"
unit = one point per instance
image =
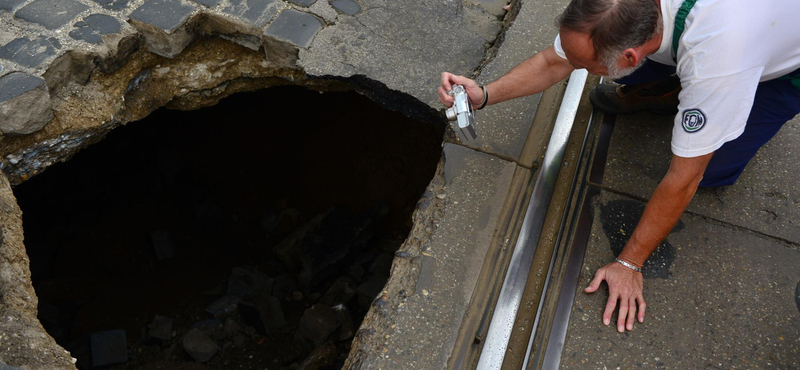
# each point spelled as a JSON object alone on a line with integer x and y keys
{"x": 10, "y": 4}
{"x": 255, "y": 12}
{"x": 93, "y": 26}
{"x": 24, "y": 104}
{"x": 30, "y": 53}
{"x": 15, "y": 84}
{"x": 348, "y": 7}
{"x": 51, "y": 13}
{"x": 167, "y": 15}
{"x": 305, "y": 3}
{"x": 296, "y": 27}
{"x": 113, "y": 4}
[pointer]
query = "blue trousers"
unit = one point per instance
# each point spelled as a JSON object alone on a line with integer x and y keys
{"x": 776, "y": 102}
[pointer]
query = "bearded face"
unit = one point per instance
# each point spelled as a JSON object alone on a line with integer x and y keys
{"x": 614, "y": 70}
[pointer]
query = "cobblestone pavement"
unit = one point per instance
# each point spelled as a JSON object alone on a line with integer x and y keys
{"x": 35, "y": 33}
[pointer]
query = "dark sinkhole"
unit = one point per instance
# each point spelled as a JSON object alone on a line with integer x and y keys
{"x": 275, "y": 213}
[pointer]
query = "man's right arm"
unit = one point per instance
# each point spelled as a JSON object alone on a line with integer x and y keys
{"x": 532, "y": 76}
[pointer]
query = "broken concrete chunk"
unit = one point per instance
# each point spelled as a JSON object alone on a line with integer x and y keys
{"x": 347, "y": 328}
{"x": 348, "y": 7}
{"x": 283, "y": 287}
{"x": 109, "y": 347}
{"x": 199, "y": 346}
{"x": 51, "y": 13}
{"x": 322, "y": 357}
{"x": 249, "y": 284}
{"x": 160, "y": 330}
{"x": 342, "y": 290}
{"x": 255, "y": 12}
{"x": 161, "y": 240}
{"x": 213, "y": 328}
{"x": 294, "y": 26}
{"x": 265, "y": 316}
{"x": 24, "y": 104}
{"x": 317, "y": 324}
{"x": 223, "y": 306}
{"x": 231, "y": 328}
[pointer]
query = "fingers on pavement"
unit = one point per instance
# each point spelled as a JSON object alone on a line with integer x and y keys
{"x": 631, "y": 313}
{"x": 642, "y": 306}
{"x": 612, "y": 303}
{"x": 598, "y": 278}
{"x": 623, "y": 313}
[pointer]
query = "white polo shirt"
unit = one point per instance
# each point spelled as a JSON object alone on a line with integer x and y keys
{"x": 727, "y": 48}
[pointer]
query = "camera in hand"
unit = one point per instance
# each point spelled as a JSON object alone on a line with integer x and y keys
{"x": 462, "y": 113}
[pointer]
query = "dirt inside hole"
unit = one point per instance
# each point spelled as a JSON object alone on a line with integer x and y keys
{"x": 284, "y": 202}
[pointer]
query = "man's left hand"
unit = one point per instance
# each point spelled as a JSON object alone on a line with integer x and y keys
{"x": 624, "y": 285}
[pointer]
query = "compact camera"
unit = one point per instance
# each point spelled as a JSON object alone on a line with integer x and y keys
{"x": 462, "y": 113}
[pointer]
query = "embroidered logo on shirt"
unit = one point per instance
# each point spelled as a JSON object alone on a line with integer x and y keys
{"x": 693, "y": 120}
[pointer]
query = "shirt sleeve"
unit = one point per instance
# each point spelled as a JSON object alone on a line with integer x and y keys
{"x": 557, "y": 47}
{"x": 713, "y": 111}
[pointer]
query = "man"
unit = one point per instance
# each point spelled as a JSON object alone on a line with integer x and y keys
{"x": 738, "y": 80}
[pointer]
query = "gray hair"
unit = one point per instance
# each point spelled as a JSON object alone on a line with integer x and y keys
{"x": 613, "y": 25}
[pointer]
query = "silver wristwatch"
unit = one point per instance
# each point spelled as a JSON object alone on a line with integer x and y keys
{"x": 628, "y": 265}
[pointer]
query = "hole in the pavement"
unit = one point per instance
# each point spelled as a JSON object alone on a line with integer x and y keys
{"x": 253, "y": 234}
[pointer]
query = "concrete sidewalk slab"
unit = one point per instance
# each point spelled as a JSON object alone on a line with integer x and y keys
{"x": 504, "y": 127}
{"x": 766, "y": 198}
{"x": 723, "y": 298}
{"x": 405, "y": 46}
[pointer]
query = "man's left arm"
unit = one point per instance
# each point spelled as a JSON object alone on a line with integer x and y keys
{"x": 666, "y": 205}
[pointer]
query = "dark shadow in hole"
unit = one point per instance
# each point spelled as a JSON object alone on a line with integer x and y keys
{"x": 152, "y": 220}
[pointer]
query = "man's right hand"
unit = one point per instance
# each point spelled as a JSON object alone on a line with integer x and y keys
{"x": 625, "y": 286}
{"x": 448, "y": 80}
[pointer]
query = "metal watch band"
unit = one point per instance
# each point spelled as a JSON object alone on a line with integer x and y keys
{"x": 628, "y": 265}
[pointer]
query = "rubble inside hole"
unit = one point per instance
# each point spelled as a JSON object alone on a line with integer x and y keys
{"x": 254, "y": 234}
